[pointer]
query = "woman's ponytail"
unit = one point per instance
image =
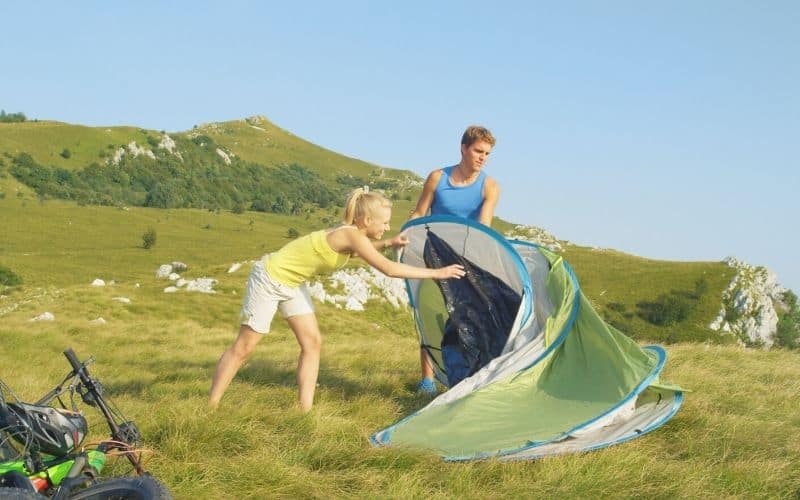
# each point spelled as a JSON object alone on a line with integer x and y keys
{"x": 360, "y": 203}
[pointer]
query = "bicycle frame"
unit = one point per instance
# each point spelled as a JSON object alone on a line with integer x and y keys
{"x": 60, "y": 474}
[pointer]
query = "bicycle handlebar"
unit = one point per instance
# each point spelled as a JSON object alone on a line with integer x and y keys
{"x": 80, "y": 370}
{"x": 73, "y": 359}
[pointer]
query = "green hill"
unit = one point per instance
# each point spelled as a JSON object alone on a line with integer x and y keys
{"x": 227, "y": 177}
{"x": 734, "y": 437}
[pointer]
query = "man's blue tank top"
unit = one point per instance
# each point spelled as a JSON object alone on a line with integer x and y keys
{"x": 462, "y": 201}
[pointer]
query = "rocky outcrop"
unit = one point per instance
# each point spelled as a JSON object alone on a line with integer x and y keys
{"x": 226, "y": 157}
{"x": 748, "y": 304}
{"x": 536, "y": 235}
{"x": 353, "y": 288}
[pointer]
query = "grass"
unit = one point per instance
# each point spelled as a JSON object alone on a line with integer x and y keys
{"x": 734, "y": 437}
{"x": 620, "y": 286}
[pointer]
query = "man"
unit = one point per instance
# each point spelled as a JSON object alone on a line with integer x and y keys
{"x": 463, "y": 190}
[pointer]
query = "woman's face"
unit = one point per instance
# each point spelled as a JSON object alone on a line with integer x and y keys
{"x": 378, "y": 223}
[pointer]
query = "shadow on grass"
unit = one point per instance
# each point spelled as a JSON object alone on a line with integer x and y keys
{"x": 263, "y": 372}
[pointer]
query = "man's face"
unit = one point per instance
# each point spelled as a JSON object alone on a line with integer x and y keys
{"x": 475, "y": 155}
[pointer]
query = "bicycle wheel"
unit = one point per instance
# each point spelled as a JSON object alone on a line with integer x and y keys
{"x": 125, "y": 488}
{"x": 19, "y": 494}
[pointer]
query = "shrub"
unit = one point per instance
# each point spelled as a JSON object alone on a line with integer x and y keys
{"x": 9, "y": 277}
{"x": 788, "y": 331}
{"x": 666, "y": 310}
{"x": 149, "y": 238}
{"x": 66, "y": 154}
{"x": 292, "y": 233}
{"x": 11, "y": 117}
{"x": 700, "y": 288}
{"x": 790, "y": 299}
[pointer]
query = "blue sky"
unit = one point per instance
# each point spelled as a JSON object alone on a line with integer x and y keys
{"x": 669, "y": 130}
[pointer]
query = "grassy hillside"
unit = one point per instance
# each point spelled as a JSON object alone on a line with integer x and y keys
{"x": 625, "y": 289}
{"x": 255, "y": 140}
{"x": 46, "y": 140}
{"x": 734, "y": 437}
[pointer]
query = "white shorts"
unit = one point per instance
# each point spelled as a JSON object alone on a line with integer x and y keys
{"x": 265, "y": 295}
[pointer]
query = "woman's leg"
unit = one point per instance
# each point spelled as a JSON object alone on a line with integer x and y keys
{"x": 230, "y": 362}
{"x": 306, "y": 330}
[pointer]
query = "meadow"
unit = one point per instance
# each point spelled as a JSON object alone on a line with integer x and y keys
{"x": 736, "y": 435}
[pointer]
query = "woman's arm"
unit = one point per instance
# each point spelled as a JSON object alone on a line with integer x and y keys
{"x": 360, "y": 245}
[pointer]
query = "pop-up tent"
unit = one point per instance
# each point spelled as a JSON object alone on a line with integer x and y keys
{"x": 532, "y": 369}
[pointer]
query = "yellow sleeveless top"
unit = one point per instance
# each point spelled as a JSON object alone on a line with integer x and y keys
{"x": 302, "y": 258}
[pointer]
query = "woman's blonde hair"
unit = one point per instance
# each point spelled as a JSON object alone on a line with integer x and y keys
{"x": 361, "y": 203}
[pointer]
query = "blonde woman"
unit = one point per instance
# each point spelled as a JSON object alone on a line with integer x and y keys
{"x": 277, "y": 282}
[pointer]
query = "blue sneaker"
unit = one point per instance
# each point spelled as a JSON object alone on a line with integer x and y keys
{"x": 426, "y": 386}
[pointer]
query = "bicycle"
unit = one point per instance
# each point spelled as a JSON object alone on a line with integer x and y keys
{"x": 40, "y": 445}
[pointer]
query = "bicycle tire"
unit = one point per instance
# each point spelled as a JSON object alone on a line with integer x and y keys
{"x": 19, "y": 494}
{"x": 124, "y": 488}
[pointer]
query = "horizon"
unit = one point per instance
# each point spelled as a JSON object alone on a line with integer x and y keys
{"x": 664, "y": 131}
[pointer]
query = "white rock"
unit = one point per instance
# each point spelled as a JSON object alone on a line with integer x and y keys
{"x": 538, "y": 236}
{"x": 118, "y": 154}
{"x": 181, "y": 282}
{"x": 234, "y": 267}
{"x": 124, "y": 300}
{"x": 752, "y": 293}
{"x": 164, "y": 271}
{"x": 179, "y": 267}
{"x": 98, "y": 321}
{"x": 203, "y": 285}
{"x": 98, "y": 282}
{"x": 173, "y": 276}
{"x": 354, "y": 305}
{"x": 135, "y": 150}
{"x": 167, "y": 143}
{"x": 45, "y": 316}
{"x": 224, "y": 156}
{"x": 360, "y": 286}
{"x": 170, "y": 289}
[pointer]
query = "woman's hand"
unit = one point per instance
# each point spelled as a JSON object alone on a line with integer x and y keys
{"x": 398, "y": 241}
{"x": 452, "y": 271}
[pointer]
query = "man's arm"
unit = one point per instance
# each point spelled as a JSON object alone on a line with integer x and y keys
{"x": 426, "y": 198}
{"x": 491, "y": 195}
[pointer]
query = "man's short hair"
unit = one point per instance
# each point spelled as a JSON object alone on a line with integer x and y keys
{"x": 476, "y": 133}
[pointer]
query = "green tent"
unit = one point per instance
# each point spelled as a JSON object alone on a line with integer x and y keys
{"x": 565, "y": 380}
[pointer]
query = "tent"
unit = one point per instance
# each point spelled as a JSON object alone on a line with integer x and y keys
{"x": 562, "y": 379}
